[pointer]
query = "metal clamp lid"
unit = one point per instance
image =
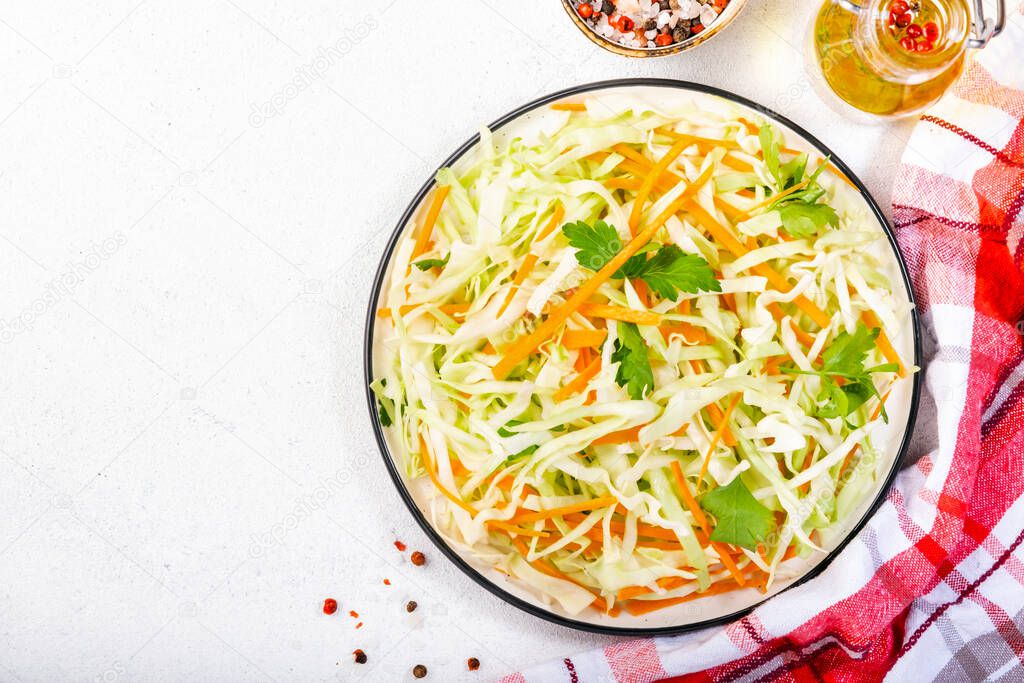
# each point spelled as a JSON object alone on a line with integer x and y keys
{"x": 985, "y": 28}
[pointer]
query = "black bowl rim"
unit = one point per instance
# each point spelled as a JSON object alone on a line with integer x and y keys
{"x": 399, "y": 481}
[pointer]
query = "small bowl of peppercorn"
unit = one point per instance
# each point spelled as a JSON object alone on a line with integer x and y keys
{"x": 651, "y": 28}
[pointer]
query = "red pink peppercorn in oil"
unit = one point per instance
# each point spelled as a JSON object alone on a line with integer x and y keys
{"x": 890, "y": 57}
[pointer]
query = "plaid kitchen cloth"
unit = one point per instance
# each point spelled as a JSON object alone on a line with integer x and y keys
{"x": 933, "y": 587}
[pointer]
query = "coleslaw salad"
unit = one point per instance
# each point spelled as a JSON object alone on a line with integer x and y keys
{"x": 617, "y": 436}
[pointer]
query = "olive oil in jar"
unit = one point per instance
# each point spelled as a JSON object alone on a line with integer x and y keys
{"x": 890, "y": 57}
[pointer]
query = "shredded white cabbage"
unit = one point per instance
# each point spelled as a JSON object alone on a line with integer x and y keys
{"x": 737, "y": 390}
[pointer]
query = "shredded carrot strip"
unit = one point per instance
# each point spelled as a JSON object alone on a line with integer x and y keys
{"x": 556, "y": 218}
{"x": 737, "y": 164}
{"x": 423, "y": 238}
{"x": 640, "y": 607}
{"x": 751, "y": 127}
{"x": 642, "y": 529}
{"x": 630, "y": 435}
{"x": 696, "y": 139}
{"x": 666, "y": 583}
{"x": 569, "y": 106}
{"x": 640, "y": 287}
{"x": 652, "y": 177}
{"x": 730, "y": 211}
{"x": 551, "y": 570}
{"x": 691, "y": 502}
{"x": 582, "y": 360}
{"x": 884, "y": 345}
{"x": 524, "y": 346}
{"x": 807, "y": 463}
{"x": 673, "y": 582}
{"x": 692, "y": 334}
{"x": 629, "y": 315}
{"x": 530, "y": 517}
{"x": 702, "y": 522}
{"x": 719, "y": 418}
{"x": 729, "y": 562}
{"x": 717, "y": 436}
{"x": 842, "y": 176}
{"x": 621, "y": 436}
{"x": 448, "y": 309}
{"x": 622, "y": 183}
{"x": 804, "y": 338}
{"x": 526, "y": 267}
{"x": 651, "y": 531}
{"x": 425, "y": 456}
{"x": 596, "y": 537}
{"x": 458, "y": 469}
{"x": 729, "y": 299}
{"x": 578, "y": 339}
{"x": 523, "y": 272}
{"x": 723, "y": 236}
{"x": 580, "y": 381}
{"x": 664, "y": 184}
{"x": 512, "y": 528}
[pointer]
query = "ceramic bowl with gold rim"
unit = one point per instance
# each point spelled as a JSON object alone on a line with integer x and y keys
{"x": 733, "y": 8}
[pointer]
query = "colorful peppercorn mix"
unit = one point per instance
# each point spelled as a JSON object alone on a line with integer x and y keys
{"x": 649, "y": 23}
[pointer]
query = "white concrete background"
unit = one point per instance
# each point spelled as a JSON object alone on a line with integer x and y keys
{"x": 186, "y": 464}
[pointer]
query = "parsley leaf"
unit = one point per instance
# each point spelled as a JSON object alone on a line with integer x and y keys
{"x": 801, "y": 219}
{"x": 844, "y": 358}
{"x": 672, "y": 270}
{"x": 668, "y": 272}
{"x": 635, "y": 263}
{"x": 800, "y": 214}
{"x": 428, "y": 263}
{"x": 382, "y": 413}
{"x": 634, "y": 370}
{"x": 793, "y": 170}
{"x": 847, "y": 352}
{"x": 836, "y": 403}
{"x": 596, "y": 245}
{"x": 382, "y": 410}
{"x": 739, "y": 518}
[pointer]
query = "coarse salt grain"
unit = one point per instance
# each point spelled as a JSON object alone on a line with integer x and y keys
{"x": 689, "y": 9}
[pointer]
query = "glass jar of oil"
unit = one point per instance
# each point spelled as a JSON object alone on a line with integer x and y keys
{"x": 890, "y": 58}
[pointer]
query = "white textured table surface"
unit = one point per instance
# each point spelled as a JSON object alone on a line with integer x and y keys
{"x": 186, "y": 244}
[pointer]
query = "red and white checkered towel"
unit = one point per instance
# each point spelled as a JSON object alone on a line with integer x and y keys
{"x": 933, "y": 587}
